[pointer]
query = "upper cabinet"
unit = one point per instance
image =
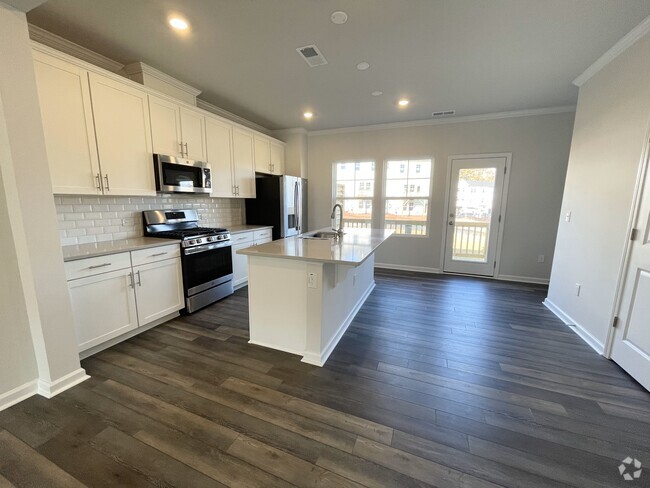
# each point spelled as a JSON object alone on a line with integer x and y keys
{"x": 243, "y": 163}
{"x": 177, "y": 130}
{"x": 64, "y": 97}
{"x": 218, "y": 136}
{"x": 269, "y": 155}
{"x": 123, "y": 131}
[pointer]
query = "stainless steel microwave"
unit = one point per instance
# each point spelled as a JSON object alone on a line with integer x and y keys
{"x": 178, "y": 175}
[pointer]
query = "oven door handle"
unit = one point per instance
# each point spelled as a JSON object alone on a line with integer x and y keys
{"x": 206, "y": 247}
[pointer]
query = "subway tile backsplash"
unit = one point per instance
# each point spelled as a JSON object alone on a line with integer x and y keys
{"x": 84, "y": 219}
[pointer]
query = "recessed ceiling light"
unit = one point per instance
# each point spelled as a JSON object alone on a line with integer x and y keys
{"x": 362, "y": 66}
{"x": 377, "y": 93}
{"x": 403, "y": 102}
{"x": 178, "y": 23}
{"x": 339, "y": 17}
{"x": 308, "y": 115}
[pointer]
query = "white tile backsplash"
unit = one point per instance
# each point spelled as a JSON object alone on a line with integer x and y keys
{"x": 85, "y": 219}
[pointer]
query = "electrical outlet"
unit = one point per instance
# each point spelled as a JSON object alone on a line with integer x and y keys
{"x": 578, "y": 288}
{"x": 541, "y": 258}
{"x": 567, "y": 217}
{"x": 311, "y": 280}
{"x": 128, "y": 222}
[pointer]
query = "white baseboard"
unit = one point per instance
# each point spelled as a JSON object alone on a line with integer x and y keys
{"x": 274, "y": 346}
{"x": 523, "y": 279}
{"x": 401, "y": 267}
{"x": 583, "y": 333}
{"x": 321, "y": 359}
{"x": 18, "y": 394}
{"x": 48, "y": 389}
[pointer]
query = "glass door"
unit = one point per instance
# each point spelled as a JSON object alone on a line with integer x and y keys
{"x": 473, "y": 220}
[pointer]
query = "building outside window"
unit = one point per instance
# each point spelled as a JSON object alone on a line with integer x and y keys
{"x": 407, "y": 196}
{"x": 354, "y": 184}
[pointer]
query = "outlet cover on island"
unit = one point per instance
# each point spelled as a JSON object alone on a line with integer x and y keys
{"x": 311, "y": 280}
{"x": 541, "y": 258}
{"x": 578, "y": 288}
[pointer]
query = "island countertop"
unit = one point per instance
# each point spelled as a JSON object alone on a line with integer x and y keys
{"x": 353, "y": 248}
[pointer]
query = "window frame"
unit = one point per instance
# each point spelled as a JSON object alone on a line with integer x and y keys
{"x": 429, "y": 197}
{"x": 356, "y": 162}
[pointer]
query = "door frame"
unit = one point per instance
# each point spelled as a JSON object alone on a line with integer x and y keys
{"x": 502, "y": 209}
{"x": 643, "y": 172}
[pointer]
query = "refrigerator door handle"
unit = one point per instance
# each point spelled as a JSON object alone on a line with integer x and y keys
{"x": 296, "y": 201}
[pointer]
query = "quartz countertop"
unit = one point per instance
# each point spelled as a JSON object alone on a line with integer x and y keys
{"x": 353, "y": 248}
{"x": 91, "y": 250}
{"x": 237, "y": 229}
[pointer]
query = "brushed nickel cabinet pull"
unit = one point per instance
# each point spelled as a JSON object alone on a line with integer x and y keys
{"x": 108, "y": 185}
{"x": 158, "y": 254}
{"x": 98, "y": 178}
{"x": 186, "y": 151}
{"x": 131, "y": 281}
{"x": 139, "y": 279}
{"x": 99, "y": 266}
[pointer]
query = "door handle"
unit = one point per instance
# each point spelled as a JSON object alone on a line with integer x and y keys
{"x": 139, "y": 279}
{"x": 98, "y": 178}
{"x": 181, "y": 145}
{"x": 186, "y": 153}
{"x": 108, "y": 185}
{"x": 158, "y": 254}
{"x": 451, "y": 222}
{"x": 99, "y": 266}
{"x": 131, "y": 280}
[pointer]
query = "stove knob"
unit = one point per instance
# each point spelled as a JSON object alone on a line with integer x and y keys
{"x": 199, "y": 241}
{"x": 191, "y": 242}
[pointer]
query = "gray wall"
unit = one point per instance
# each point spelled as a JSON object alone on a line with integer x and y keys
{"x": 608, "y": 142}
{"x": 539, "y": 146}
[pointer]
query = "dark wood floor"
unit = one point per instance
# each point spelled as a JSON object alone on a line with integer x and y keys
{"x": 440, "y": 381}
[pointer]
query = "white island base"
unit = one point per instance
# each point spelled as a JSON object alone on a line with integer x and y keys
{"x": 305, "y": 307}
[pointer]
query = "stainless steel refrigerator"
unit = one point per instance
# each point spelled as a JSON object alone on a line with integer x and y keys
{"x": 281, "y": 201}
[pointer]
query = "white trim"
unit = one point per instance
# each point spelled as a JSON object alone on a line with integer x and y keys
{"x": 48, "y": 389}
{"x": 321, "y": 359}
{"x": 583, "y": 333}
{"x": 207, "y": 106}
{"x": 617, "y": 49}
{"x": 139, "y": 67}
{"x": 295, "y": 130}
{"x": 72, "y": 49}
{"x": 275, "y": 347}
{"x": 523, "y": 279}
{"x": 18, "y": 394}
{"x": 401, "y": 267}
{"x": 450, "y": 120}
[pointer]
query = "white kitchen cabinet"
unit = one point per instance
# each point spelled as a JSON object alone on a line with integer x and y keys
{"x": 262, "y": 154}
{"x": 103, "y": 307}
{"x": 218, "y": 137}
{"x": 123, "y": 132}
{"x": 108, "y": 302}
{"x": 243, "y": 163}
{"x": 64, "y": 98}
{"x": 158, "y": 290}
{"x": 176, "y": 130}
{"x": 277, "y": 158}
{"x": 242, "y": 240}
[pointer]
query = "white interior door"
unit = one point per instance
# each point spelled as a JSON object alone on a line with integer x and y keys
{"x": 474, "y": 214}
{"x": 631, "y": 346}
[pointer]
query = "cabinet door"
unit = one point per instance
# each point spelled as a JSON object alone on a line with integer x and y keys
{"x": 103, "y": 307}
{"x": 66, "y": 111}
{"x": 121, "y": 115}
{"x": 277, "y": 158}
{"x": 218, "y": 136}
{"x": 193, "y": 132}
{"x": 158, "y": 289}
{"x": 262, "y": 155}
{"x": 240, "y": 265}
{"x": 165, "y": 126}
{"x": 243, "y": 164}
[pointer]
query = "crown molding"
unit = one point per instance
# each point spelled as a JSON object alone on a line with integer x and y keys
{"x": 231, "y": 116}
{"x": 140, "y": 67}
{"x": 617, "y": 49}
{"x": 448, "y": 120}
{"x": 68, "y": 47}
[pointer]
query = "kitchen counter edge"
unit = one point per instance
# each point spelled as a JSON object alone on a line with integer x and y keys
{"x": 94, "y": 249}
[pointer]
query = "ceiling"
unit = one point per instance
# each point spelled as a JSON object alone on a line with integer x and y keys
{"x": 472, "y": 56}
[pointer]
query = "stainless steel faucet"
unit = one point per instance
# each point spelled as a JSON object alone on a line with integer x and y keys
{"x": 339, "y": 231}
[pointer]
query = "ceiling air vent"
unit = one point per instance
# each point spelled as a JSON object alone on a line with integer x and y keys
{"x": 443, "y": 113}
{"x": 312, "y": 55}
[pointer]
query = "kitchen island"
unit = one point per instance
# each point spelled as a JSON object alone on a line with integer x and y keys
{"x": 303, "y": 293}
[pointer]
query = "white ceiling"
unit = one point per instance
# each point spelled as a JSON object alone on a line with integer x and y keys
{"x": 473, "y": 56}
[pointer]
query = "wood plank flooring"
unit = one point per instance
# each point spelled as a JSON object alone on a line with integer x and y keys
{"x": 441, "y": 381}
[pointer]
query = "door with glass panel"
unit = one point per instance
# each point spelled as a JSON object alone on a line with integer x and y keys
{"x": 474, "y": 214}
{"x": 354, "y": 187}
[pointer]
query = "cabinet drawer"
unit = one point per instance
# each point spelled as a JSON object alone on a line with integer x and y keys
{"x": 94, "y": 266}
{"x": 259, "y": 242}
{"x": 242, "y": 237}
{"x": 263, "y": 234}
{"x": 153, "y": 254}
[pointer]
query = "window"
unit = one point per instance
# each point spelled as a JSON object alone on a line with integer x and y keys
{"x": 407, "y": 194}
{"x": 354, "y": 183}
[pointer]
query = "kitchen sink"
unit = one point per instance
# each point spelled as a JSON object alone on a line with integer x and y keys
{"x": 321, "y": 235}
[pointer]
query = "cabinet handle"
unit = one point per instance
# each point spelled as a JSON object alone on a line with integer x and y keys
{"x": 131, "y": 281}
{"x": 237, "y": 190}
{"x": 186, "y": 151}
{"x": 272, "y": 167}
{"x": 108, "y": 185}
{"x": 99, "y": 266}
{"x": 139, "y": 278}
{"x": 181, "y": 144}
{"x": 158, "y": 254}
{"x": 98, "y": 178}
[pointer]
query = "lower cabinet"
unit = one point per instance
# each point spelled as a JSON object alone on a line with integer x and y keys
{"x": 243, "y": 240}
{"x": 107, "y": 303}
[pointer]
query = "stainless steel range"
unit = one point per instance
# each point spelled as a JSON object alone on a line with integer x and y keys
{"x": 205, "y": 255}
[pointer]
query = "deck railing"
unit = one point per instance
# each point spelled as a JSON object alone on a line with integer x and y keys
{"x": 471, "y": 240}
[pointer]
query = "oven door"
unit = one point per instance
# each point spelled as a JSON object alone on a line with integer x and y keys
{"x": 176, "y": 175}
{"x": 206, "y": 266}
